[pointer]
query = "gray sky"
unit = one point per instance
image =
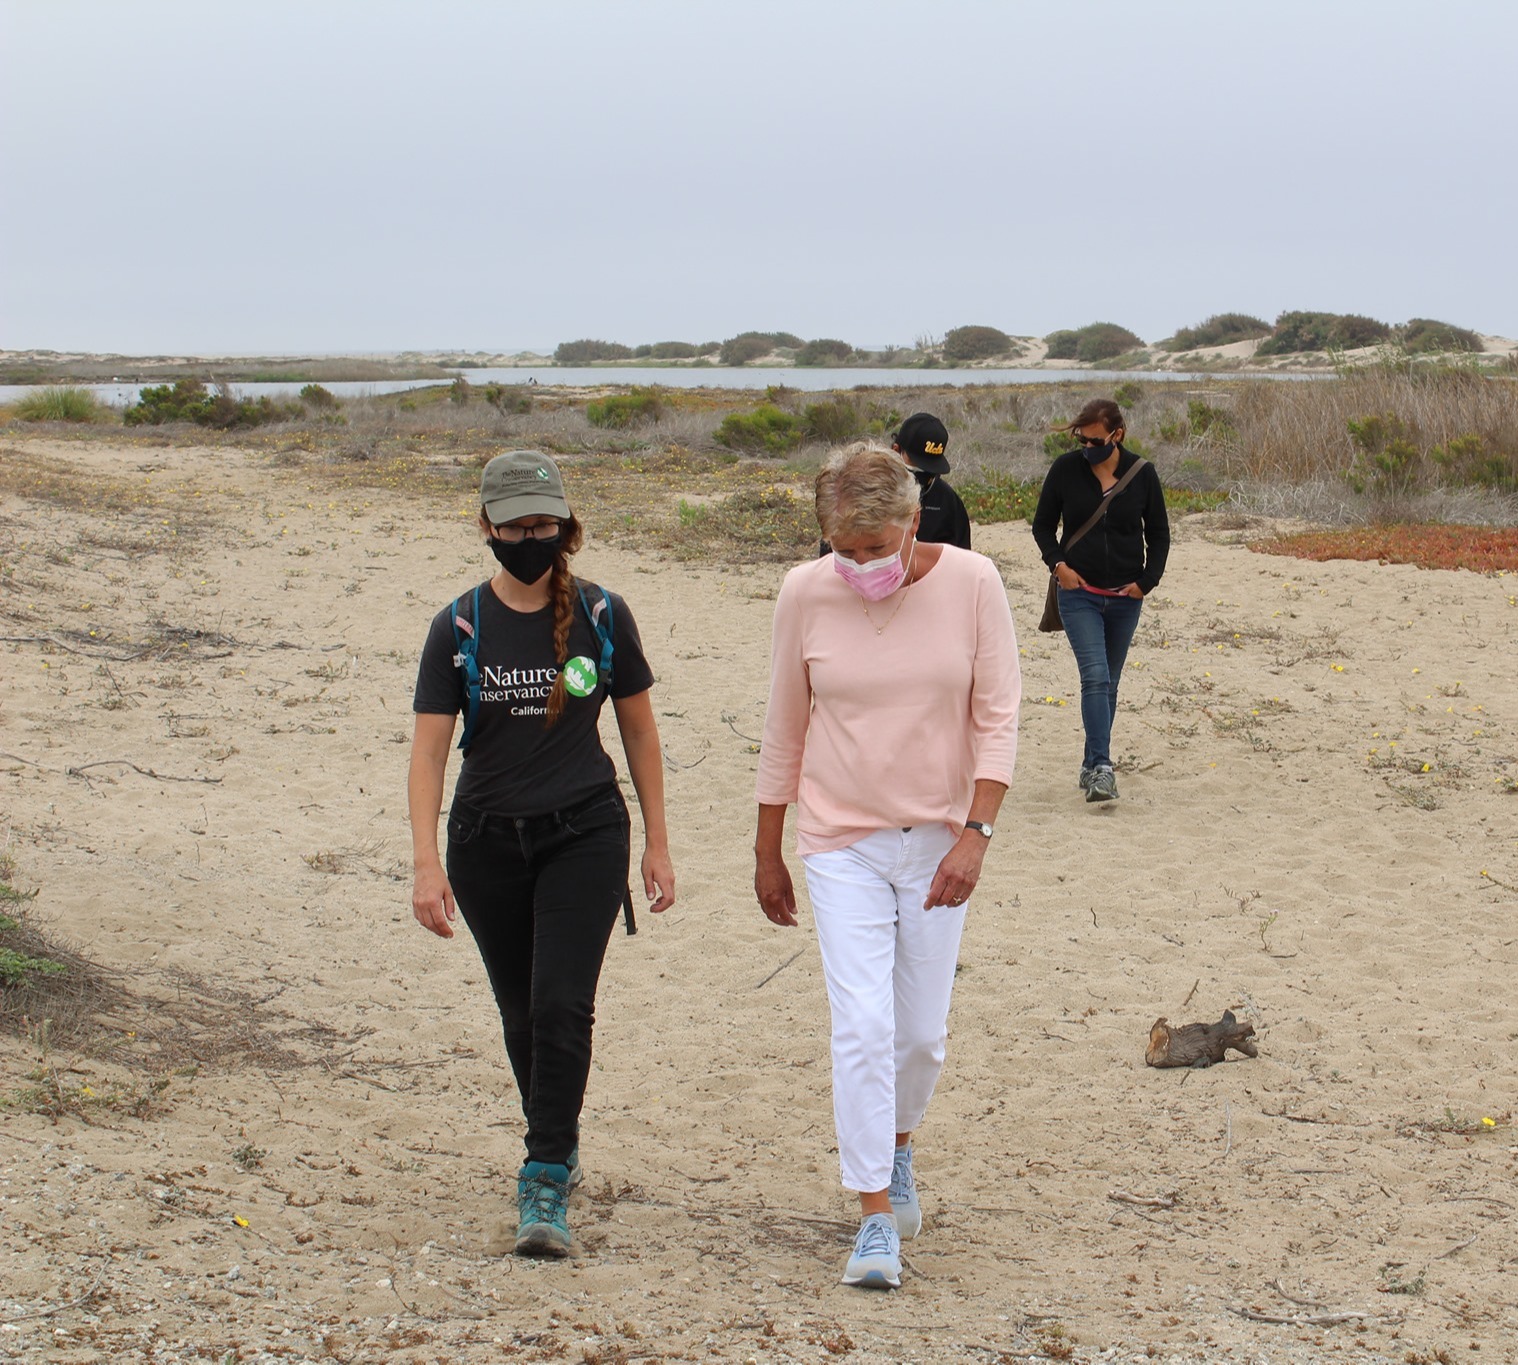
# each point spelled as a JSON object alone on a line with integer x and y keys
{"x": 365, "y": 175}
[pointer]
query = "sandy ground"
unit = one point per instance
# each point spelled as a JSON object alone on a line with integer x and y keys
{"x": 1317, "y": 829}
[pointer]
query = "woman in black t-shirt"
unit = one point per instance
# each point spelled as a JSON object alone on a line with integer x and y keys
{"x": 538, "y": 834}
{"x": 1105, "y": 575}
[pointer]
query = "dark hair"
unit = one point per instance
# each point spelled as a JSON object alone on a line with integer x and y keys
{"x": 1102, "y": 410}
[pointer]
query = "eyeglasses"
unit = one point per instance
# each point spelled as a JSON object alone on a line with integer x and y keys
{"x": 1094, "y": 440}
{"x": 515, "y": 535}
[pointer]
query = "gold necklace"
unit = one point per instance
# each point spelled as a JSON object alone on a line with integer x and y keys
{"x": 865, "y": 606}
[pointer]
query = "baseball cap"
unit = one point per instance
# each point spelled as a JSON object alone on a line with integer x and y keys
{"x": 922, "y": 440}
{"x": 521, "y": 483}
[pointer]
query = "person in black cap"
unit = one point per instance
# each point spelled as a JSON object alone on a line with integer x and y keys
{"x": 921, "y": 441}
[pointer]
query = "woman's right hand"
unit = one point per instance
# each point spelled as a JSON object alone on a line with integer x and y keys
{"x": 1067, "y": 577}
{"x": 772, "y": 884}
{"x": 432, "y": 900}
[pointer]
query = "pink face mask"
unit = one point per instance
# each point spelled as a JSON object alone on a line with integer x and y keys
{"x": 876, "y": 579}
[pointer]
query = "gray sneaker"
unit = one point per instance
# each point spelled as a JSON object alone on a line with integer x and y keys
{"x": 876, "y": 1260}
{"x": 1086, "y": 779}
{"x": 1103, "y": 785}
{"x": 576, "y": 1175}
{"x": 903, "y": 1194}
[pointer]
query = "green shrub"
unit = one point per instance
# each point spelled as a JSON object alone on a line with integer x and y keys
{"x": 747, "y": 346}
{"x": 1221, "y": 329}
{"x": 458, "y": 392}
{"x": 1296, "y": 332}
{"x": 975, "y": 343}
{"x": 824, "y": 351}
{"x": 767, "y": 430}
{"x": 1061, "y": 345}
{"x": 1423, "y": 335}
{"x": 314, "y": 396}
{"x": 188, "y": 400}
{"x": 587, "y": 352}
{"x": 1056, "y": 443}
{"x": 834, "y": 422}
{"x": 674, "y": 350}
{"x": 1387, "y": 453}
{"x": 999, "y": 497}
{"x": 1128, "y": 395}
{"x": 60, "y": 403}
{"x": 1209, "y": 423}
{"x": 622, "y": 410}
{"x": 1103, "y": 341}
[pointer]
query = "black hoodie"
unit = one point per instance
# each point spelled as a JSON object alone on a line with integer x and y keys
{"x": 1128, "y": 545}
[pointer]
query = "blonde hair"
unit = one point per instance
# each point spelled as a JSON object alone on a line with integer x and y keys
{"x": 864, "y": 487}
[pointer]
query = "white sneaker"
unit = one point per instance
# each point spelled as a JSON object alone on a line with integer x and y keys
{"x": 903, "y": 1194}
{"x": 876, "y": 1260}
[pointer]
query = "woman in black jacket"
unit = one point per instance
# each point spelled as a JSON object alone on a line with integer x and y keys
{"x": 1106, "y": 575}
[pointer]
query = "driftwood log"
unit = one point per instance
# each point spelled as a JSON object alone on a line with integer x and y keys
{"x": 1198, "y": 1044}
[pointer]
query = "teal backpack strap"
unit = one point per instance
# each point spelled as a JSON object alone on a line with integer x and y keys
{"x": 602, "y": 622}
{"x": 466, "y": 644}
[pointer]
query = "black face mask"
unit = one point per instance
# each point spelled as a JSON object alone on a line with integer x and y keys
{"x": 924, "y": 480}
{"x": 1096, "y": 454}
{"x": 528, "y": 560}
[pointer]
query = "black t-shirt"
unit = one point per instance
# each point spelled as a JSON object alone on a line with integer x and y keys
{"x": 516, "y": 765}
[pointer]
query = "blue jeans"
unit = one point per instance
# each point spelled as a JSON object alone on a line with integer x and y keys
{"x": 1100, "y": 630}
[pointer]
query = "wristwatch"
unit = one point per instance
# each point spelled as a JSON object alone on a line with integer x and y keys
{"x": 980, "y": 827}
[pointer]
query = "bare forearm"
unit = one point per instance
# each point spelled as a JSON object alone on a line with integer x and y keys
{"x": 770, "y": 839}
{"x": 424, "y": 800}
{"x": 645, "y": 765}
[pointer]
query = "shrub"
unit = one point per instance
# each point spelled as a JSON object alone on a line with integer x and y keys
{"x": 747, "y": 346}
{"x": 1221, "y": 329}
{"x": 1056, "y": 443}
{"x": 458, "y": 392}
{"x": 1128, "y": 395}
{"x": 1389, "y": 450}
{"x": 188, "y": 400}
{"x": 1295, "y": 332}
{"x": 587, "y": 352}
{"x": 754, "y": 524}
{"x": 823, "y": 351}
{"x": 59, "y": 403}
{"x": 767, "y": 430}
{"x": 975, "y": 343}
{"x": 314, "y": 396}
{"x": 675, "y": 350}
{"x": 834, "y": 422}
{"x": 1207, "y": 423}
{"x": 1423, "y": 335}
{"x": 1061, "y": 345}
{"x": 622, "y": 410}
{"x": 509, "y": 397}
{"x": 1103, "y": 341}
{"x": 999, "y": 497}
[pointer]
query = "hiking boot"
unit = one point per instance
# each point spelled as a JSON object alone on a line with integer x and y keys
{"x": 1103, "y": 786}
{"x": 903, "y": 1194}
{"x": 876, "y": 1260}
{"x": 1086, "y": 779}
{"x": 542, "y": 1201}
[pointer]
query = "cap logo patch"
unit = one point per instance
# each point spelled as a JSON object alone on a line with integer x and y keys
{"x": 932, "y": 447}
{"x": 542, "y": 474}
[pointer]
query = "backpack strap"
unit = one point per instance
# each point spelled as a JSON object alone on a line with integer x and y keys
{"x": 466, "y": 643}
{"x": 603, "y": 629}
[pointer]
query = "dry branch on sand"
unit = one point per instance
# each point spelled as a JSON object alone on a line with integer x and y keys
{"x": 1198, "y": 1044}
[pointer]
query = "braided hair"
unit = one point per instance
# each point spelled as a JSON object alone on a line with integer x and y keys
{"x": 561, "y": 594}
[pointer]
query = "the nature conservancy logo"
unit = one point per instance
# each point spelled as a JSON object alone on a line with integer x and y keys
{"x": 580, "y": 676}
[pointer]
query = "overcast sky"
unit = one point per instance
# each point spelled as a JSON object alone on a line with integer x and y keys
{"x": 366, "y": 175}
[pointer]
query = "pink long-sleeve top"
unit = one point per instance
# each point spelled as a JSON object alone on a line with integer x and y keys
{"x": 866, "y": 731}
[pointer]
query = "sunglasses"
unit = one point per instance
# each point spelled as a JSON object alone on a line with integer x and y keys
{"x": 1094, "y": 440}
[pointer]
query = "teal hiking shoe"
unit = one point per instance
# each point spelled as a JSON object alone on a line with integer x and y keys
{"x": 876, "y": 1259}
{"x": 542, "y": 1210}
{"x": 903, "y": 1194}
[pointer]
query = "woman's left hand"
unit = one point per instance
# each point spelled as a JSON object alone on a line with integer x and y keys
{"x": 1132, "y": 590}
{"x": 658, "y": 880}
{"x": 958, "y": 873}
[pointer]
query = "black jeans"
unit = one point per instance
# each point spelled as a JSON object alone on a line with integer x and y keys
{"x": 541, "y": 895}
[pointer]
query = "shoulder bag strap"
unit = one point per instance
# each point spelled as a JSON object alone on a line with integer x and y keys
{"x": 1107, "y": 497}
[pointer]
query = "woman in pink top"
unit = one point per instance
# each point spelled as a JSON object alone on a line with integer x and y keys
{"x": 892, "y": 727}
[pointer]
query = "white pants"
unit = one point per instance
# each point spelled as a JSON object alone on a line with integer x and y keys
{"x": 889, "y": 966}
